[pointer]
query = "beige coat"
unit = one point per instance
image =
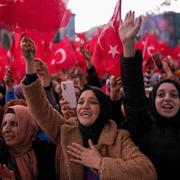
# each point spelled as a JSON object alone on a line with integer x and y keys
{"x": 121, "y": 160}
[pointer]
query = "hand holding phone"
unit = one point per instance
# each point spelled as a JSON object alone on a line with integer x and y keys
{"x": 68, "y": 93}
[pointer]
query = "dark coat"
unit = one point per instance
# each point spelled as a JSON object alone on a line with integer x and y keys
{"x": 159, "y": 141}
{"x": 45, "y": 153}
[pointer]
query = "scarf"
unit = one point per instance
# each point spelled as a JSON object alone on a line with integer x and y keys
{"x": 22, "y": 152}
{"x": 93, "y": 132}
{"x": 173, "y": 121}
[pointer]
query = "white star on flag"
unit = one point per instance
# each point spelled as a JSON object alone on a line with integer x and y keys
{"x": 19, "y": 1}
{"x": 113, "y": 50}
{"x": 53, "y": 61}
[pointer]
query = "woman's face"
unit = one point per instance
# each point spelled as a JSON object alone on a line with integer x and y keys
{"x": 88, "y": 108}
{"x": 167, "y": 100}
{"x": 9, "y": 129}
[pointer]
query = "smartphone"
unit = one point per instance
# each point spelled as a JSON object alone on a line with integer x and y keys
{"x": 157, "y": 60}
{"x": 68, "y": 93}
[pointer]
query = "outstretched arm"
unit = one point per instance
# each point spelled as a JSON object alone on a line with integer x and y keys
{"x": 132, "y": 77}
{"x": 128, "y": 30}
{"x": 92, "y": 76}
{"x": 46, "y": 116}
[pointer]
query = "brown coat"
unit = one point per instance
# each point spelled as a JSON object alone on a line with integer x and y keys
{"x": 121, "y": 160}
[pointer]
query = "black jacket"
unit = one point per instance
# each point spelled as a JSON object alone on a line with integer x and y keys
{"x": 161, "y": 143}
{"x": 45, "y": 153}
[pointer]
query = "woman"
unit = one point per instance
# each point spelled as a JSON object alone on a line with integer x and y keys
{"x": 18, "y": 129}
{"x": 20, "y": 153}
{"x": 89, "y": 145}
{"x": 154, "y": 126}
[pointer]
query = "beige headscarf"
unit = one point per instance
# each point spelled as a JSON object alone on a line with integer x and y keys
{"x": 22, "y": 152}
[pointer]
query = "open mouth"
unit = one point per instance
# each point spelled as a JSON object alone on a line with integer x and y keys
{"x": 85, "y": 114}
{"x": 167, "y": 107}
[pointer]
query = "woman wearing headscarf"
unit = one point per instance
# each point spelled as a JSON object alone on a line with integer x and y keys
{"x": 20, "y": 153}
{"x": 18, "y": 129}
{"x": 89, "y": 145}
{"x": 154, "y": 126}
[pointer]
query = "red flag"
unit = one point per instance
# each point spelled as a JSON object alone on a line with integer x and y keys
{"x": 4, "y": 62}
{"x": 77, "y": 43}
{"x": 43, "y": 15}
{"x": 63, "y": 56}
{"x": 148, "y": 44}
{"x": 177, "y": 53}
{"x": 166, "y": 50}
{"x": 107, "y": 53}
{"x": 66, "y": 17}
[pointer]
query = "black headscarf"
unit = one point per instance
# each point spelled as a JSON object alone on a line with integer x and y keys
{"x": 93, "y": 132}
{"x": 175, "y": 120}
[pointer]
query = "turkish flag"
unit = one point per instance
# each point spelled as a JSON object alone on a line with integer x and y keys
{"x": 42, "y": 15}
{"x": 13, "y": 59}
{"x": 63, "y": 55}
{"x": 80, "y": 60}
{"x": 108, "y": 50}
{"x": 177, "y": 53}
{"x": 148, "y": 44}
{"x": 81, "y": 40}
{"x": 4, "y": 62}
{"x": 166, "y": 50}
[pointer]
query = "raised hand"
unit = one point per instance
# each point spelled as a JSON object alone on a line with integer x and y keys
{"x": 8, "y": 80}
{"x": 115, "y": 88}
{"x": 128, "y": 30}
{"x": 42, "y": 72}
{"x": 28, "y": 49}
{"x": 85, "y": 51}
{"x": 168, "y": 71}
{"x": 5, "y": 173}
{"x": 89, "y": 157}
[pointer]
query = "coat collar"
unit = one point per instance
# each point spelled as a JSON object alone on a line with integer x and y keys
{"x": 108, "y": 133}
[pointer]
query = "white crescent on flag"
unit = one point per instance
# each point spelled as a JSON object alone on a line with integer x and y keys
{"x": 150, "y": 50}
{"x": 63, "y": 54}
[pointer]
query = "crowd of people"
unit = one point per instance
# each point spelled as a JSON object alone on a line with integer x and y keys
{"x": 128, "y": 130}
